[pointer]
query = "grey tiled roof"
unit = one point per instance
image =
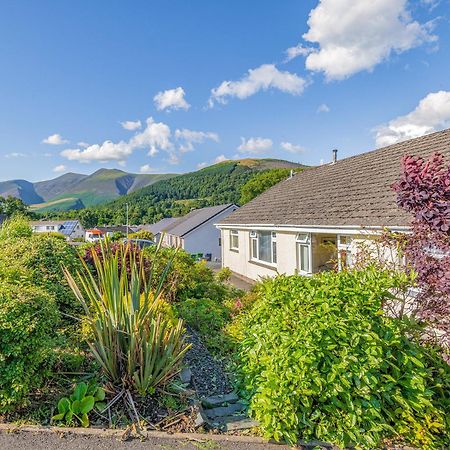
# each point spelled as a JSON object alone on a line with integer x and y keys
{"x": 353, "y": 191}
{"x": 160, "y": 226}
{"x": 194, "y": 219}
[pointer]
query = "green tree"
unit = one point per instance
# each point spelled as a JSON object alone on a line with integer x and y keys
{"x": 12, "y": 205}
{"x": 261, "y": 182}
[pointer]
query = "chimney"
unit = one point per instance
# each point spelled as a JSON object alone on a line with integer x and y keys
{"x": 334, "y": 155}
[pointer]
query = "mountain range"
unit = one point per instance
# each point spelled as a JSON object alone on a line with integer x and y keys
{"x": 77, "y": 191}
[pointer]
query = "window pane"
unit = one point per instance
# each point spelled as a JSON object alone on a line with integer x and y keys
{"x": 274, "y": 251}
{"x": 254, "y": 248}
{"x": 264, "y": 247}
{"x": 304, "y": 258}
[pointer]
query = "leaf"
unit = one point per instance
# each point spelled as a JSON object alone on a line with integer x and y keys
{"x": 58, "y": 416}
{"x": 100, "y": 394}
{"x": 75, "y": 407}
{"x": 69, "y": 416}
{"x": 87, "y": 404}
{"x": 84, "y": 420}
{"x": 80, "y": 391}
{"x": 63, "y": 405}
{"x": 100, "y": 406}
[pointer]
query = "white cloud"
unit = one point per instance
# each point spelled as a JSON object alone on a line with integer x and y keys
{"x": 355, "y": 36}
{"x": 155, "y": 137}
{"x": 202, "y": 165}
{"x": 431, "y": 114}
{"x": 298, "y": 50}
{"x": 60, "y": 169}
{"x": 146, "y": 168}
{"x": 188, "y": 138}
{"x": 262, "y": 78}
{"x": 171, "y": 99}
{"x": 220, "y": 158}
{"x": 55, "y": 139}
{"x": 323, "y": 108}
{"x": 15, "y": 155}
{"x": 292, "y": 148}
{"x": 131, "y": 125}
{"x": 83, "y": 144}
{"x": 255, "y": 145}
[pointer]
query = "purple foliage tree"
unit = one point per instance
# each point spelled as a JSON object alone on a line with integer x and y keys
{"x": 424, "y": 191}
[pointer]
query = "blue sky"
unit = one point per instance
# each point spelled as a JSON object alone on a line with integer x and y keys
{"x": 74, "y": 73}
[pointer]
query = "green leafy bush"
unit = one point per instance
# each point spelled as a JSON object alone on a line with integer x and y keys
{"x": 320, "y": 360}
{"x": 207, "y": 317}
{"x": 81, "y": 402}
{"x": 38, "y": 261}
{"x": 28, "y": 317}
{"x": 15, "y": 227}
{"x": 185, "y": 277}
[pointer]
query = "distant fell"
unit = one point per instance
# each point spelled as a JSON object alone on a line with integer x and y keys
{"x": 76, "y": 191}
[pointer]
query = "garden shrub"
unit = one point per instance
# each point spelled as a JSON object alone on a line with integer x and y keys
{"x": 15, "y": 227}
{"x": 27, "y": 320}
{"x": 208, "y": 317}
{"x": 320, "y": 360}
{"x": 38, "y": 261}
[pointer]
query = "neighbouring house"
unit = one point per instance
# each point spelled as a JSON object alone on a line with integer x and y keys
{"x": 158, "y": 228}
{"x": 323, "y": 214}
{"x": 71, "y": 229}
{"x": 196, "y": 232}
{"x": 100, "y": 233}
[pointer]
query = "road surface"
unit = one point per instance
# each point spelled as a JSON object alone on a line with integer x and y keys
{"x": 26, "y": 440}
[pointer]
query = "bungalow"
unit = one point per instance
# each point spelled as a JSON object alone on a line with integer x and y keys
{"x": 71, "y": 229}
{"x": 100, "y": 233}
{"x": 196, "y": 233}
{"x": 158, "y": 228}
{"x": 321, "y": 214}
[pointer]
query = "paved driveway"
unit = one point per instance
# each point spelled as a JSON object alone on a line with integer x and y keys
{"x": 26, "y": 440}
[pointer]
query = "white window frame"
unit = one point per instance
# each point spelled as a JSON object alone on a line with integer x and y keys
{"x": 234, "y": 235}
{"x": 303, "y": 240}
{"x": 344, "y": 247}
{"x": 254, "y": 238}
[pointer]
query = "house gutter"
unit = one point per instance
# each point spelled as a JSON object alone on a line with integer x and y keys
{"x": 348, "y": 229}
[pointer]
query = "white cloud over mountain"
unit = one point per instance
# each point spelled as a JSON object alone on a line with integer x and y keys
{"x": 156, "y": 136}
{"x": 255, "y": 145}
{"x": 171, "y": 99}
{"x": 292, "y": 148}
{"x": 60, "y": 169}
{"x": 264, "y": 77}
{"x": 188, "y": 138}
{"x": 431, "y": 114}
{"x": 356, "y": 36}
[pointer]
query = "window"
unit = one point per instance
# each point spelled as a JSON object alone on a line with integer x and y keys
{"x": 263, "y": 246}
{"x": 344, "y": 252}
{"x": 234, "y": 240}
{"x": 304, "y": 253}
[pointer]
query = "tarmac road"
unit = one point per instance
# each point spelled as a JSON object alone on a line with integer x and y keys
{"x": 28, "y": 440}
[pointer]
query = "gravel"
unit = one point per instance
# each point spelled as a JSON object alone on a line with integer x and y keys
{"x": 208, "y": 374}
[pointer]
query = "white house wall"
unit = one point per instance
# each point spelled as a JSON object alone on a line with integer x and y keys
{"x": 241, "y": 263}
{"x": 205, "y": 238}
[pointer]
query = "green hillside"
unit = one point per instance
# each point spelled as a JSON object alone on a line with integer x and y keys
{"x": 75, "y": 191}
{"x": 217, "y": 184}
